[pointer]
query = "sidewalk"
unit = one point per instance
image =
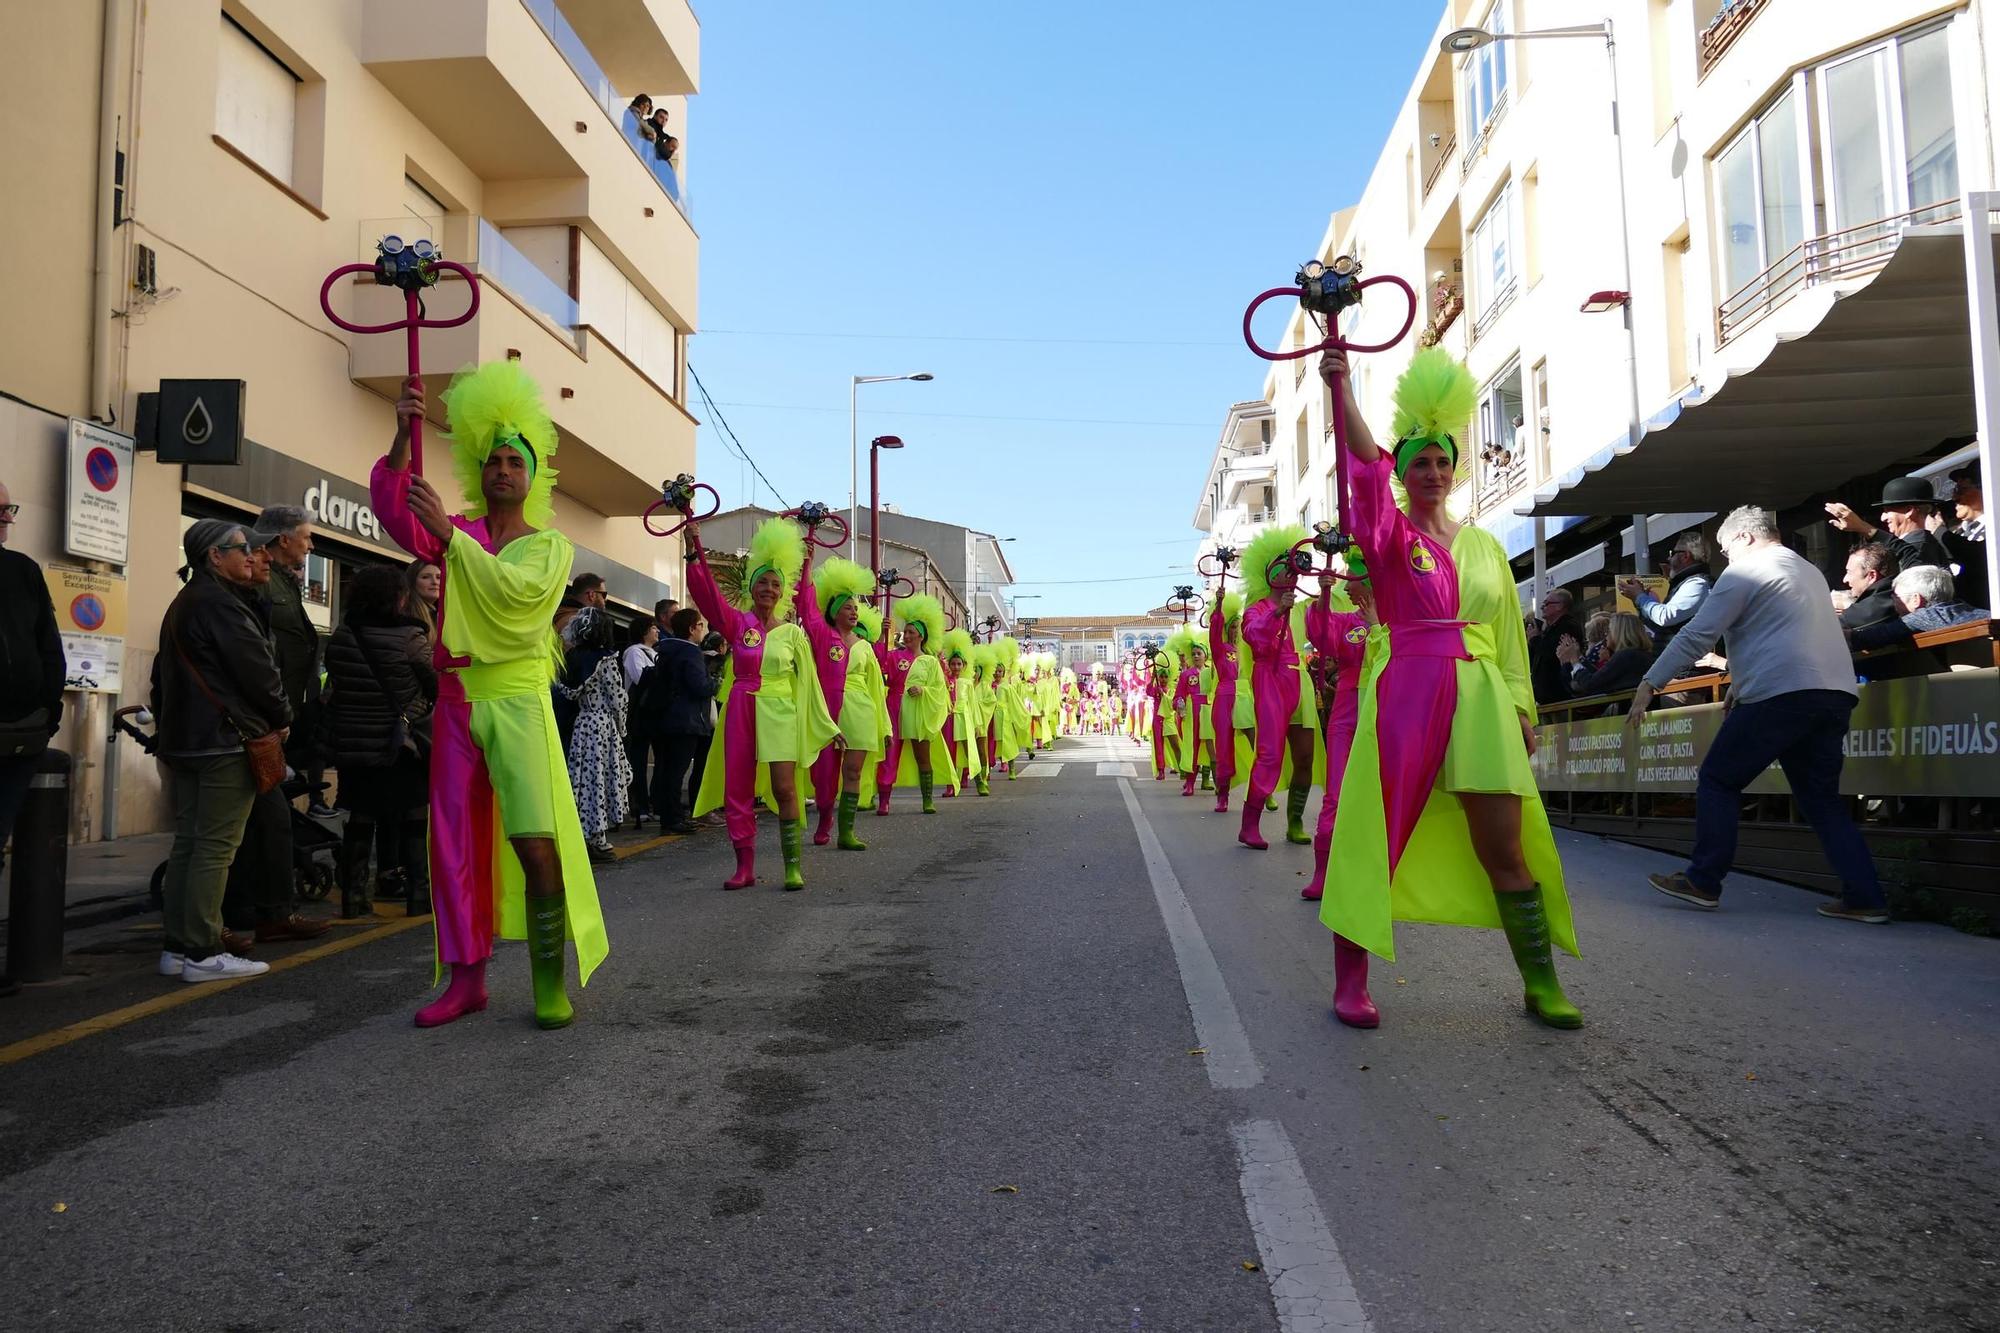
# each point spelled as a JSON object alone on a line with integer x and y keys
{"x": 106, "y": 880}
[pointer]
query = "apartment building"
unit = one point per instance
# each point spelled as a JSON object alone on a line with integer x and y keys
{"x": 1775, "y": 209}
{"x": 1239, "y": 497}
{"x": 1080, "y": 640}
{"x": 199, "y": 169}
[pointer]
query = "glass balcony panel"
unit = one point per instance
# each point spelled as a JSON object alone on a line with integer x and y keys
{"x": 617, "y": 107}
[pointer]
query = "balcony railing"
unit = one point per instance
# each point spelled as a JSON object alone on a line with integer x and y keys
{"x": 1727, "y": 25}
{"x": 1478, "y": 142}
{"x": 1833, "y": 257}
{"x": 1447, "y": 304}
{"x": 500, "y": 261}
{"x": 615, "y": 105}
{"x": 1444, "y": 152}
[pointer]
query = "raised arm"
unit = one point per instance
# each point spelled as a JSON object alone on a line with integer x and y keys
{"x": 706, "y": 596}
{"x": 389, "y": 483}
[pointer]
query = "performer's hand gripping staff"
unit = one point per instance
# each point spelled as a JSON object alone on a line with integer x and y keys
{"x": 410, "y": 267}
{"x": 1325, "y": 291}
{"x": 1216, "y": 565}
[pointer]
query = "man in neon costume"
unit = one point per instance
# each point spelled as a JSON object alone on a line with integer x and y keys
{"x": 506, "y": 849}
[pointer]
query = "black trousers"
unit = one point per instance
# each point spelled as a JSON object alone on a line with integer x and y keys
{"x": 641, "y": 741}
{"x": 260, "y": 878}
{"x": 673, "y": 794}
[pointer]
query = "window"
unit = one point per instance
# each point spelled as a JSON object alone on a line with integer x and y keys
{"x": 1760, "y": 187}
{"x": 256, "y": 101}
{"x": 424, "y": 213}
{"x": 620, "y": 313}
{"x": 1890, "y": 145}
{"x": 1493, "y": 262}
{"x": 1539, "y": 378}
{"x": 1930, "y": 144}
{"x": 1502, "y": 432}
{"x": 1306, "y": 514}
{"x": 1486, "y": 77}
{"x": 1299, "y": 449}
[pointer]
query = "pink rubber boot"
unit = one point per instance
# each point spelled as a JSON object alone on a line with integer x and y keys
{"x": 464, "y": 994}
{"x": 746, "y": 867}
{"x": 823, "y": 831}
{"x": 1315, "y": 887}
{"x": 1250, "y": 835}
{"x": 1351, "y": 1004}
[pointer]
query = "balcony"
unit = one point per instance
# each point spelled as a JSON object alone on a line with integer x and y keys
{"x": 620, "y": 433}
{"x": 1443, "y": 154}
{"x": 513, "y": 90}
{"x": 616, "y": 106}
{"x": 1727, "y": 25}
{"x": 1835, "y": 257}
{"x": 1446, "y": 304}
{"x": 1476, "y": 148}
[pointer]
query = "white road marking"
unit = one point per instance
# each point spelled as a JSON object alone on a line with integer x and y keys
{"x": 1041, "y": 768}
{"x": 1116, "y": 771}
{"x": 1309, "y": 1280}
{"x": 1231, "y": 1062}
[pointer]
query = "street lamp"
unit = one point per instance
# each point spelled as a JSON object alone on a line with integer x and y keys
{"x": 875, "y": 446}
{"x": 854, "y": 384}
{"x": 1462, "y": 41}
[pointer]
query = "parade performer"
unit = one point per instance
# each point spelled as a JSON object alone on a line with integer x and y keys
{"x": 1049, "y": 698}
{"x": 957, "y": 655}
{"x": 1269, "y": 589}
{"x": 1338, "y": 629}
{"x": 506, "y": 848}
{"x": 984, "y": 662}
{"x": 1072, "y": 702}
{"x": 830, "y": 602}
{"x": 1439, "y": 818}
{"x": 1007, "y": 733}
{"x": 1162, "y": 673}
{"x": 1230, "y": 696}
{"x": 774, "y": 718}
{"x": 1190, "y": 706}
{"x": 924, "y": 698}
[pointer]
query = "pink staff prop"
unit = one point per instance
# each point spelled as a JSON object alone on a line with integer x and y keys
{"x": 1325, "y": 291}
{"x": 1186, "y": 601}
{"x": 412, "y": 268}
{"x": 677, "y": 497}
{"x": 813, "y": 516}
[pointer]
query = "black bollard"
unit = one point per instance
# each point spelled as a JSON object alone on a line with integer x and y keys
{"x": 39, "y": 887}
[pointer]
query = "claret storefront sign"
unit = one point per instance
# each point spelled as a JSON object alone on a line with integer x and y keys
{"x": 1925, "y": 736}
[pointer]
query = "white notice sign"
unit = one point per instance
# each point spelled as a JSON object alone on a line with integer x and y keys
{"x": 99, "y": 521}
{"x": 96, "y": 662}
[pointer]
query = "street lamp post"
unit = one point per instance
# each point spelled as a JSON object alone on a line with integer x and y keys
{"x": 1463, "y": 41}
{"x": 854, "y": 384}
{"x": 875, "y": 446}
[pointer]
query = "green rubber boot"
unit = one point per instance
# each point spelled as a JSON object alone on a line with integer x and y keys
{"x": 1295, "y": 815}
{"x": 849, "y": 803}
{"x": 547, "y": 919}
{"x": 979, "y": 785}
{"x": 1526, "y": 922}
{"x": 791, "y": 835}
{"x": 1207, "y": 778}
{"x": 924, "y": 786}
{"x": 1270, "y": 802}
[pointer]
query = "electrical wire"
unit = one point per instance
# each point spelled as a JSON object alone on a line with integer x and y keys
{"x": 730, "y": 436}
{"x": 970, "y": 416}
{"x": 971, "y": 338}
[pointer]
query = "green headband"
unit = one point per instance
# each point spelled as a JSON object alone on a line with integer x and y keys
{"x": 1410, "y": 446}
{"x": 519, "y": 442}
{"x": 756, "y": 574}
{"x": 833, "y": 607}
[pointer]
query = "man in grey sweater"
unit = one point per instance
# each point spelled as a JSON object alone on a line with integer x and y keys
{"x": 1791, "y": 693}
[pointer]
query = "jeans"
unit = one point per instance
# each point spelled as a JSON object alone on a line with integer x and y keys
{"x": 1802, "y": 731}
{"x": 260, "y": 884}
{"x": 212, "y": 799}
{"x": 672, "y": 798}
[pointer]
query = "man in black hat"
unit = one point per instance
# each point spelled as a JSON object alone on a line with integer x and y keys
{"x": 1962, "y": 533}
{"x": 1906, "y": 502}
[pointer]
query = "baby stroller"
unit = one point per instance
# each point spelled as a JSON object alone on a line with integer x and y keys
{"x": 315, "y": 838}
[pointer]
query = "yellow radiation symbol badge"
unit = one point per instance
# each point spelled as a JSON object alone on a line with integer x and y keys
{"x": 1421, "y": 558}
{"x": 1358, "y": 634}
{"x": 1229, "y": 654}
{"x": 837, "y": 653}
{"x": 752, "y": 637}
{"x": 901, "y": 665}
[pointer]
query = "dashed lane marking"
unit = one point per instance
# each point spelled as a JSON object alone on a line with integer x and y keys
{"x": 1310, "y": 1283}
{"x": 1116, "y": 771}
{"x": 1042, "y": 769}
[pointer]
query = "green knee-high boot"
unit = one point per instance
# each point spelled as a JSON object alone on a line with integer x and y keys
{"x": 546, "y": 921}
{"x": 1295, "y": 814}
{"x": 849, "y": 803}
{"x": 791, "y": 835}
{"x": 1526, "y": 922}
{"x": 924, "y": 786}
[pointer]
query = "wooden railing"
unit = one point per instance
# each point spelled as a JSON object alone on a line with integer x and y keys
{"x": 1837, "y": 255}
{"x": 1723, "y": 30}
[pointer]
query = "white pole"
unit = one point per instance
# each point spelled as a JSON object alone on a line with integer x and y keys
{"x": 1984, "y": 312}
{"x": 853, "y": 461}
{"x": 1641, "y": 556}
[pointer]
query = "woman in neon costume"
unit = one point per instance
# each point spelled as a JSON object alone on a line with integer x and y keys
{"x": 985, "y": 660}
{"x": 1013, "y": 717}
{"x": 1231, "y": 715}
{"x": 505, "y": 840}
{"x": 925, "y": 703}
{"x": 1337, "y": 628}
{"x": 1190, "y": 706}
{"x": 957, "y": 658}
{"x": 1162, "y": 673}
{"x": 830, "y": 605}
{"x": 1048, "y": 700}
{"x": 774, "y": 716}
{"x": 1072, "y": 702}
{"x": 1269, "y": 587}
{"x": 864, "y": 721}
{"x": 1439, "y": 818}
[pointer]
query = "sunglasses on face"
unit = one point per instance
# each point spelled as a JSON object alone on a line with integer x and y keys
{"x": 10, "y": 512}
{"x": 227, "y": 547}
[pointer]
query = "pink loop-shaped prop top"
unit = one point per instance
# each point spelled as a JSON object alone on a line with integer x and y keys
{"x": 812, "y": 533}
{"x": 900, "y": 586}
{"x": 1209, "y": 567}
{"x": 1187, "y": 606}
{"x": 1321, "y": 572}
{"x": 1332, "y": 340}
{"x": 411, "y": 318}
{"x": 687, "y": 515}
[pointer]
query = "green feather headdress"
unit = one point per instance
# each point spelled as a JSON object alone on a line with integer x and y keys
{"x": 927, "y": 614}
{"x": 495, "y": 404}
{"x": 1232, "y": 612}
{"x": 778, "y": 546}
{"x": 1181, "y": 643}
{"x": 839, "y": 579}
{"x": 1007, "y": 652}
{"x": 957, "y": 643}
{"x": 1435, "y": 399}
{"x": 983, "y": 658}
{"x": 868, "y": 622}
{"x": 1266, "y": 549}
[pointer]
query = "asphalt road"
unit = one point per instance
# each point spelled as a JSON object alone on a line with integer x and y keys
{"x": 957, "y": 1085}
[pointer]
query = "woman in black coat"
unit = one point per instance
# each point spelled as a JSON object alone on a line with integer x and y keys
{"x": 381, "y": 688}
{"x": 679, "y": 700}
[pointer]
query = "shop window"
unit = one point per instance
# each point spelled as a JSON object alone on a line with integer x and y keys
{"x": 1493, "y": 258}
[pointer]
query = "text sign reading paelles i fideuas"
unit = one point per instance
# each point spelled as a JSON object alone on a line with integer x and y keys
{"x": 1924, "y": 736}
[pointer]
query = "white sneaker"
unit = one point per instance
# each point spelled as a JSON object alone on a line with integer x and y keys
{"x": 220, "y": 967}
{"x": 170, "y": 963}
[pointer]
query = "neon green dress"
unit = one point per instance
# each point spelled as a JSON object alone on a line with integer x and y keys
{"x": 926, "y": 705}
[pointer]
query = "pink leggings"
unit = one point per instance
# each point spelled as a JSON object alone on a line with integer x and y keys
{"x": 885, "y": 776}
{"x": 1277, "y": 700}
{"x": 739, "y": 768}
{"x": 461, "y": 831}
{"x": 1222, "y": 726}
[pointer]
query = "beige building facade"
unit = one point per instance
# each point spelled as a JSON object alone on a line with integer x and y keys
{"x": 197, "y": 171}
{"x": 1776, "y": 154}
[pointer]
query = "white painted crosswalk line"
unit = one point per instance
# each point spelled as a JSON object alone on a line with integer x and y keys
{"x": 1041, "y": 768}
{"x": 1116, "y": 771}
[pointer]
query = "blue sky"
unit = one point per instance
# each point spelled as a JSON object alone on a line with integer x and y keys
{"x": 1060, "y": 210}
